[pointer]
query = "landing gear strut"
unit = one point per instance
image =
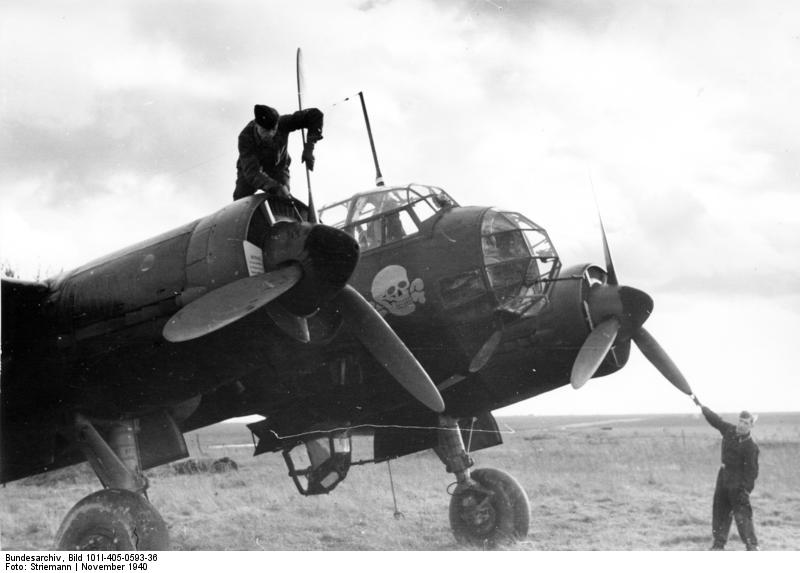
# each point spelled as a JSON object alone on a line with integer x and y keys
{"x": 119, "y": 517}
{"x": 488, "y": 507}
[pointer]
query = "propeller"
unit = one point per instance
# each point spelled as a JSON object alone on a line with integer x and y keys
{"x": 594, "y": 351}
{"x": 229, "y": 303}
{"x": 658, "y": 358}
{"x": 619, "y": 313}
{"x": 375, "y": 334}
{"x": 315, "y": 283}
{"x": 294, "y": 326}
{"x": 485, "y": 352}
{"x": 612, "y": 274}
{"x": 301, "y": 82}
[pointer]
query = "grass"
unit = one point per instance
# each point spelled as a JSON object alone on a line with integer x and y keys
{"x": 638, "y": 485}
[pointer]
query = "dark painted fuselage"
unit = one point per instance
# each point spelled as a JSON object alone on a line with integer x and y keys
{"x": 536, "y": 351}
{"x": 90, "y": 341}
{"x": 100, "y": 350}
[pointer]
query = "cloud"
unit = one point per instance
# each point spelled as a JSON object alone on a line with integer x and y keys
{"x": 680, "y": 118}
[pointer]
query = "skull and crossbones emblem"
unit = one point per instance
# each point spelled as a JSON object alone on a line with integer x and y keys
{"x": 394, "y": 293}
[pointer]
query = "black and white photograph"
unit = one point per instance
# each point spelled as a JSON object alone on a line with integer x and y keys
{"x": 357, "y": 276}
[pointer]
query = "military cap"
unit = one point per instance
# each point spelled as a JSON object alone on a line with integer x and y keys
{"x": 266, "y": 116}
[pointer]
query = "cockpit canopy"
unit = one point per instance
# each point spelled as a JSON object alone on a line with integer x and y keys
{"x": 384, "y": 215}
{"x": 519, "y": 263}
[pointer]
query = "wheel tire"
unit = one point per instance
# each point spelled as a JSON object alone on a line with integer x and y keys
{"x": 490, "y": 518}
{"x": 112, "y": 520}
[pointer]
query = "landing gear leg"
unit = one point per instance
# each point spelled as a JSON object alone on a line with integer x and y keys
{"x": 118, "y": 517}
{"x": 488, "y": 507}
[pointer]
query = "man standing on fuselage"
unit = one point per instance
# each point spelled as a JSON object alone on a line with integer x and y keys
{"x": 263, "y": 158}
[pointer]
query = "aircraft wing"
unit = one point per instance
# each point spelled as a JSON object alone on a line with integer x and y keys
{"x": 28, "y": 417}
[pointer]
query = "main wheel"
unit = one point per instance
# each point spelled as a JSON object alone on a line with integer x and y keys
{"x": 495, "y": 513}
{"x": 112, "y": 520}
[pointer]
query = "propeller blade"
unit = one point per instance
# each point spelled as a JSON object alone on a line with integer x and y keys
{"x": 229, "y": 303}
{"x": 612, "y": 274}
{"x": 294, "y": 326}
{"x": 301, "y": 87}
{"x": 593, "y": 351}
{"x": 485, "y": 352}
{"x": 656, "y": 355}
{"x": 387, "y": 348}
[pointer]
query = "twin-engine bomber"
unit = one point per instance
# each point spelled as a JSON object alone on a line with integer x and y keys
{"x": 404, "y": 316}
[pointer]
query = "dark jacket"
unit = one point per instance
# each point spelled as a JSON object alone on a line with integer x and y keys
{"x": 265, "y": 164}
{"x": 739, "y": 454}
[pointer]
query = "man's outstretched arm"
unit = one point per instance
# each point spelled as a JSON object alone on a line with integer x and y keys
{"x": 310, "y": 119}
{"x": 714, "y": 419}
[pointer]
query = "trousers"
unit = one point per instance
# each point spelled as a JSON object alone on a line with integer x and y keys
{"x": 732, "y": 502}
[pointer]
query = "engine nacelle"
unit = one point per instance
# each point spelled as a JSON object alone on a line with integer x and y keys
{"x": 110, "y": 314}
{"x": 154, "y": 278}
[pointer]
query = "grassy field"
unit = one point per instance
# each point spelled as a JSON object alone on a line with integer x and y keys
{"x": 622, "y": 483}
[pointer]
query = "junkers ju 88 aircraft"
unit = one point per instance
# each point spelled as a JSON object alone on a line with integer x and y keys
{"x": 406, "y": 317}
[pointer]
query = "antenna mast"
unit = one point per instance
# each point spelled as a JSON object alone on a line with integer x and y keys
{"x": 312, "y": 212}
{"x": 378, "y": 175}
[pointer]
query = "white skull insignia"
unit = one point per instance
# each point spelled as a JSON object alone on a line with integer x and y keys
{"x": 394, "y": 293}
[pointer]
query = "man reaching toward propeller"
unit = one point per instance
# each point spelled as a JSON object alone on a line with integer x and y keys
{"x": 735, "y": 480}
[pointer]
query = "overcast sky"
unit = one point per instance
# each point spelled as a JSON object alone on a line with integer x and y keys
{"x": 118, "y": 121}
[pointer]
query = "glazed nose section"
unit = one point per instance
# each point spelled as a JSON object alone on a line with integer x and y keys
{"x": 330, "y": 258}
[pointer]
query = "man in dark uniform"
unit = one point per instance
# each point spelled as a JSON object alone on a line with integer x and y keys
{"x": 263, "y": 158}
{"x": 735, "y": 480}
